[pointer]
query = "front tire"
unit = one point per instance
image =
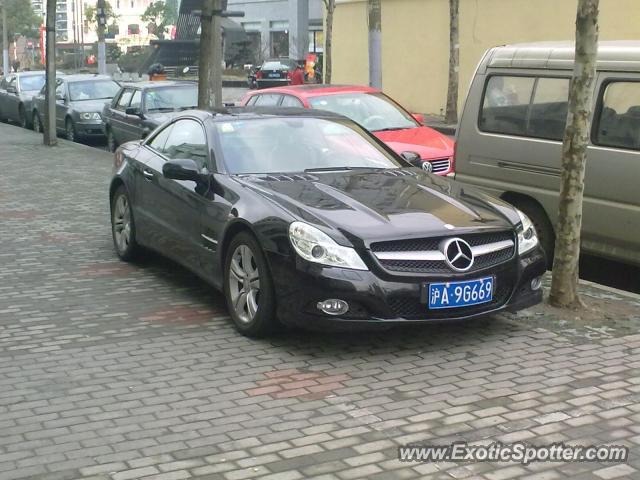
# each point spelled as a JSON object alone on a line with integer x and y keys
{"x": 112, "y": 145}
{"x": 37, "y": 123}
{"x": 123, "y": 227}
{"x": 248, "y": 287}
{"x": 70, "y": 130}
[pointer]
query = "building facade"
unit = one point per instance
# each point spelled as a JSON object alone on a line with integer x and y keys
{"x": 415, "y": 39}
{"x": 281, "y": 28}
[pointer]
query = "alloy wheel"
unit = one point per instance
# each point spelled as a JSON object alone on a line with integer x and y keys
{"x": 122, "y": 224}
{"x": 244, "y": 283}
{"x": 71, "y": 132}
{"x": 23, "y": 118}
{"x": 111, "y": 141}
{"x": 37, "y": 126}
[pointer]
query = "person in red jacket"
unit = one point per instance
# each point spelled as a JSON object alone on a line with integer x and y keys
{"x": 297, "y": 77}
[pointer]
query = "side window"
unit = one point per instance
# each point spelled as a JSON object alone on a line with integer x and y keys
{"x": 124, "y": 99}
{"x": 158, "y": 142}
{"x": 505, "y": 104}
{"x": 291, "y": 101}
{"x": 267, "y": 100}
{"x": 548, "y": 113}
{"x": 187, "y": 140}
{"x": 252, "y": 100}
{"x": 618, "y": 124}
{"x": 136, "y": 99}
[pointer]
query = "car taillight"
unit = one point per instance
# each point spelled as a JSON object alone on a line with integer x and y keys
{"x": 258, "y": 74}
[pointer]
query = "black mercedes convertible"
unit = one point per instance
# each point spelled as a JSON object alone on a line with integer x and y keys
{"x": 303, "y": 218}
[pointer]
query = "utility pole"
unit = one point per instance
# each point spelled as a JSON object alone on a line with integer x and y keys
{"x": 50, "y": 137}
{"x": 216, "y": 73}
{"x": 101, "y": 15}
{"x": 5, "y": 40}
{"x": 374, "y": 17}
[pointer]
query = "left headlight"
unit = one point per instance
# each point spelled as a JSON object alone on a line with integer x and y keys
{"x": 90, "y": 116}
{"x": 527, "y": 236}
{"x": 316, "y": 246}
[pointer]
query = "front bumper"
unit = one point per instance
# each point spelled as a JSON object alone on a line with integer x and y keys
{"x": 375, "y": 297}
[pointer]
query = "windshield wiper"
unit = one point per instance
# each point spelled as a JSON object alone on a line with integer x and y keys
{"x": 161, "y": 109}
{"x": 187, "y": 108}
{"x": 340, "y": 169}
{"x": 390, "y": 129}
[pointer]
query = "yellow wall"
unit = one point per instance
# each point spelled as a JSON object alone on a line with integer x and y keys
{"x": 415, "y": 39}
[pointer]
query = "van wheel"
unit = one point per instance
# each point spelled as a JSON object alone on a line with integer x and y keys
{"x": 544, "y": 229}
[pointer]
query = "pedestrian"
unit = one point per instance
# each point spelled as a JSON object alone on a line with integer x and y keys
{"x": 297, "y": 77}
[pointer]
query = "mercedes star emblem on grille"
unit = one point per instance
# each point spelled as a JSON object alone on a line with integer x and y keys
{"x": 458, "y": 254}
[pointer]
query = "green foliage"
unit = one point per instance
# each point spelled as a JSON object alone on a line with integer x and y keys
{"x": 133, "y": 59}
{"x": 21, "y": 19}
{"x": 114, "y": 52}
{"x": 157, "y": 14}
{"x": 172, "y": 12}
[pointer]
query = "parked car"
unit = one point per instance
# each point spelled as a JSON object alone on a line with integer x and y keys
{"x": 139, "y": 108}
{"x": 305, "y": 217}
{"x": 274, "y": 72}
{"x": 375, "y": 111}
{"x": 510, "y": 140}
{"x": 16, "y": 96}
{"x": 79, "y": 103}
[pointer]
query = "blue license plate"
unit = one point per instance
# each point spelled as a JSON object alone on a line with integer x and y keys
{"x": 460, "y": 294}
{"x": 274, "y": 75}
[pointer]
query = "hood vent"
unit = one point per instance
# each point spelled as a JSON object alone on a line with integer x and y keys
{"x": 399, "y": 173}
{"x": 290, "y": 178}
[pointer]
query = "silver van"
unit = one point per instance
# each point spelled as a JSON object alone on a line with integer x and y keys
{"x": 509, "y": 141}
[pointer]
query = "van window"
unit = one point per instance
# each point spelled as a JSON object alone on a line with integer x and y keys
{"x": 548, "y": 113}
{"x": 618, "y": 124}
{"x": 505, "y": 106}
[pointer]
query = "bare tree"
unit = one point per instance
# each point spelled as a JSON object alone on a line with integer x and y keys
{"x": 564, "y": 284}
{"x": 330, "y": 6}
{"x": 454, "y": 62}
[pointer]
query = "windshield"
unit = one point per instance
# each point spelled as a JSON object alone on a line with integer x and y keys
{"x": 30, "y": 83}
{"x": 277, "y": 65}
{"x": 374, "y": 111}
{"x": 284, "y": 145}
{"x": 171, "y": 98}
{"x": 93, "y": 90}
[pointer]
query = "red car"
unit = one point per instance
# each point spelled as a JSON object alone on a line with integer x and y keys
{"x": 399, "y": 129}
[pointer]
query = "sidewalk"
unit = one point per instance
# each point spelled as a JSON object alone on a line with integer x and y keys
{"x": 116, "y": 371}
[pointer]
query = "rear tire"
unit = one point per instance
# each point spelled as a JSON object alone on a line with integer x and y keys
{"x": 248, "y": 287}
{"x": 70, "y": 130}
{"x": 22, "y": 117}
{"x": 544, "y": 229}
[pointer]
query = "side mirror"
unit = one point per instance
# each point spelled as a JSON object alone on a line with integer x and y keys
{"x": 418, "y": 117}
{"x": 182, "y": 169}
{"x": 412, "y": 157}
{"x": 12, "y": 89}
{"x": 133, "y": 111}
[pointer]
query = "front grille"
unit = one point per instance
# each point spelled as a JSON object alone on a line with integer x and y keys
{"x": 440, "y": 165}
{"x": 432, "y": 244}
{"x": 412, "y": 309}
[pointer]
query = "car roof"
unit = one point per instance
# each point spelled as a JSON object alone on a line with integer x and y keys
{"x": 235, "y": 113}
{"x": 159, "y": 84}
{"x": 314, "y": 90}
{"x": 79, "y": 77}
{"x": 620, "y": 55}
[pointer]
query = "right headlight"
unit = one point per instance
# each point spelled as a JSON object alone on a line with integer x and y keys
{"x": 527, "y": 236}
{"x": 316, "y": 246}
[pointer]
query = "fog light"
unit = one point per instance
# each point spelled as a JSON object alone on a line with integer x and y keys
{"x": 536, "y": 283}
{"x": 333, "y": 306}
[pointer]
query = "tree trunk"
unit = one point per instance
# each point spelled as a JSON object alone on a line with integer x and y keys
{"x": 330, "y": 6}
{"x": 49, "y": 121}
{"x": 564, "y": 284}
{"x": 205, "y": 64}
{"x": 454, "y": 62}
{"x": 374, "y": 16}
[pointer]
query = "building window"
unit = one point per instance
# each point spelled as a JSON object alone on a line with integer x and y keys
{"x": 316, "y": 41}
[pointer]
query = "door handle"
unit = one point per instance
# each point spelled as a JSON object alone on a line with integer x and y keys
{"x": 148, "y": 174}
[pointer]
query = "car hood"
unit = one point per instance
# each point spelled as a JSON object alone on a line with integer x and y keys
{"x": 159, "y": 118}
{"x": 425, "y": 141}
{"x": 362, "y": 207}
{"x": 89, "y": 105}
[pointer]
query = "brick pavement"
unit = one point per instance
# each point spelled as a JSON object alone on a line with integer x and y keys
{"x": 116, "y": 371}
